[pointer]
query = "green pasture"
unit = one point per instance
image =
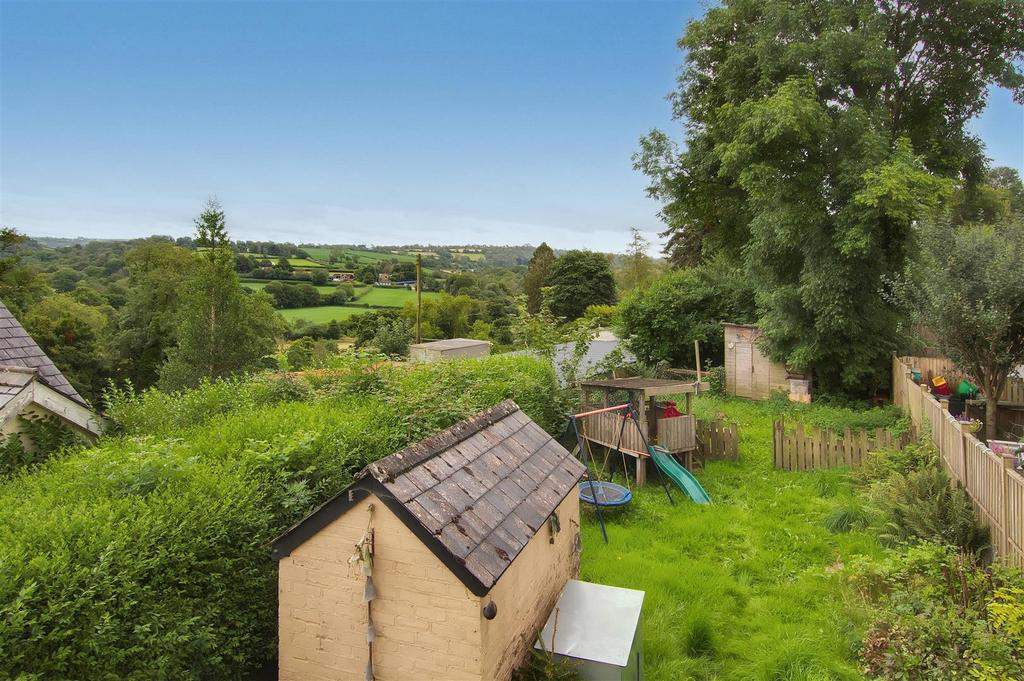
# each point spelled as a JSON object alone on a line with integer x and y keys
{"x": 391, "y": 297}
{"x": 323, "y": 313}
{"x": 750, "y": 587}
{"x": 323, "y": 254}
{"x": 260, "y": 285}
{"x": 294, "y": 262}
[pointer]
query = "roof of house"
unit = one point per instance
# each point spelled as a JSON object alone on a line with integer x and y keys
{"x": 12, "y": 381}
{"x": 450, "y": 344}
{"x": 17, "y": 349}
{"x": 474, "y": 493}
{"x": 649, "y": 386}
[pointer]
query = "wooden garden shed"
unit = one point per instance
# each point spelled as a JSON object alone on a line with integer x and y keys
{"x": 749, "y": 373}
{"x": 441, "y": 561}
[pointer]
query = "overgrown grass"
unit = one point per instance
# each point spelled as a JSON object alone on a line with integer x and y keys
{"x": 748, "y": 588}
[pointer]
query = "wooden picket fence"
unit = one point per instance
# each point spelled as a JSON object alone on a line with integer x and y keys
{"x": 797, "y": 450}
{"x": 996, "y": 490}
{"x": 718, "y": 439}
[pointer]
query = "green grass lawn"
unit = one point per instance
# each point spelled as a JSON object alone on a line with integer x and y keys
{"x": 746, "y": 588}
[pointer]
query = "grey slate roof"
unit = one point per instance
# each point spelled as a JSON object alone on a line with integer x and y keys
{"x": 476, "y": 493}
{"x": 12, "y": 381}
{"x": 17, "y": 349}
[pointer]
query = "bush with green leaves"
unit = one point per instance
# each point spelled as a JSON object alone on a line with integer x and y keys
{"x": 922, "y": 506}
{"x": 147, "y": 556}
{"x": 939, "y": 614}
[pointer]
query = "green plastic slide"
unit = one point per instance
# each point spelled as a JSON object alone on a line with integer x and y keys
{"x": 679, "y": 475}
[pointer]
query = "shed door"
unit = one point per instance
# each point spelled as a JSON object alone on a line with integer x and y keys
{"x": 744, "y": 369}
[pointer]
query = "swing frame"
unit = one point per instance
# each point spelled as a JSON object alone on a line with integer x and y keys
{"x": 582, "y": 443}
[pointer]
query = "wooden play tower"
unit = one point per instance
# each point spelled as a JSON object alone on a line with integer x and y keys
{"x": 674, "y": 433}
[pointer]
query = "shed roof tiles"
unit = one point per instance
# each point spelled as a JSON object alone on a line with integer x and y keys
{"x": 476, "y": 493}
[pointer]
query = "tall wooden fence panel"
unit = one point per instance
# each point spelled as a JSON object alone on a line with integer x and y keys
{"x": 996, "y": 490}
{"x": 797, "y": 450}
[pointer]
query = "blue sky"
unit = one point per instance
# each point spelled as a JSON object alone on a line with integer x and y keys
{"x": 381, "y": 123}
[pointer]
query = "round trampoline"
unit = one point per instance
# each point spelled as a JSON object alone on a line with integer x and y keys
{"x": 607, "y": 494}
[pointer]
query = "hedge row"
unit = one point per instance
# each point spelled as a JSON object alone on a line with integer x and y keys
{"x": 147, "y": 556}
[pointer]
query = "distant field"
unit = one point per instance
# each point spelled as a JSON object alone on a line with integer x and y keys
{"x": 294, "y": 262}
{"x": 475, "y": 257}
{"x": 259, "y": 285}
{"x": 324, "y": 254}
{"x": 391, "y": 297}
{"x": 322, "y": 314}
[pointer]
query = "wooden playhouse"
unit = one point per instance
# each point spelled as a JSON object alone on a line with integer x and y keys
{"x": 661, "y": 424}
{"x": 441, "y": 561}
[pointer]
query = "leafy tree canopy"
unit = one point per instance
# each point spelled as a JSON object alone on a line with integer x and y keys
{"x": 537, "y": 273}
{"x": 971, "y": 292}
{"x": 661, "y": 322}
{"x": 816, "y": 135}
{"x": 578, "y": 280}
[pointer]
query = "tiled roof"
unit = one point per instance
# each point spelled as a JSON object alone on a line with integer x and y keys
{"x": 17, "y": 349}
{"x": 478, "y": 491}
{"x": 12, "y": 381}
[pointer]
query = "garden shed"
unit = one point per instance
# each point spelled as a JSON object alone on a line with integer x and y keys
{"x": 749, "y": 373}
{"x": 442, "y": 560}
{"x": 453, "y": 348}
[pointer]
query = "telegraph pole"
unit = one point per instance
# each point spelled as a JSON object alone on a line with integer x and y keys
{"x": 419, "y": 295}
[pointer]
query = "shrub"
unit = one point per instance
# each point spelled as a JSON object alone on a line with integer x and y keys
{"x": 716, "y": 380}
{"x": 922, "y": 506}
{"x": 940, "y": 615}
{"x": 147, "y": 556}
{"x": 849, "y": 516}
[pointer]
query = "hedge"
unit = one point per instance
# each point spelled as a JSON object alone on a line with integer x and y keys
{"x": 147, "y": 556}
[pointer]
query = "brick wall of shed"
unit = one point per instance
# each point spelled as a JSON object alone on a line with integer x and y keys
{"x": 427, "y": 621}
{"x": 528, "y": 590}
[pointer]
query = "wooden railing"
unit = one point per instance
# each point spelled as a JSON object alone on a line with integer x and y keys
{"x": 798, "y": 450}
{"x": 996, "y": 490}
{"x": 675, "y": 433}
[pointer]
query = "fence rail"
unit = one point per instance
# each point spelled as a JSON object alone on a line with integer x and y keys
{"x": 796, "y": 450}
{"x": 996, "y": 490}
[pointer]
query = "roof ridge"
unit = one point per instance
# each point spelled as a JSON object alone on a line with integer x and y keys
{"x": 393, "y": 465}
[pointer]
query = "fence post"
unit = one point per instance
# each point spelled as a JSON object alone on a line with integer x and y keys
{"x": 1004, "y": 506}
{"x": 962, "y": 475}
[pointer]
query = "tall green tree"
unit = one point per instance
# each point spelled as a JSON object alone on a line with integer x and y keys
{"x": 147, "y": 323}
{"x": 972, "y": 295}
{"x": 221, "y": 329}
{"x": 578, "y": 280}
{"x": 537, "y": 273}
{"x": 816, "y": 135}
{"x": 638, "y": 268}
